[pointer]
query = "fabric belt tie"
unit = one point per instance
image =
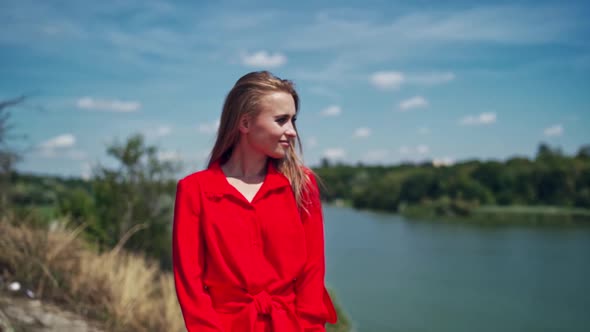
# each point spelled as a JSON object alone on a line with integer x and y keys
{"x": 247, "y": 307}
{"x": 263, "y": 303}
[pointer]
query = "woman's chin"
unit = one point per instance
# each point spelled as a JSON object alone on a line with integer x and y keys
{"x": 278, "y": 154}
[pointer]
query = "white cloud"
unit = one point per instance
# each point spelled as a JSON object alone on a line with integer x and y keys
{"x": 61, "y": 146}
{"x": 331, "y": 111}
{"x": 431, "y": 30}
{"x": 412, "y": 103}
{"x": 393, "y": 80}
{"x": 59, "y": 142}
{"x": 418, "y": 33}
{"x": 107, "y": 105}
{"x": 495, "y": 25}
{"x": 208, "y": 128}
{"x": 485, "y": 118}
{"x": 67, "y": 153}
{"x": 362, "y": 132}
{"x": 263, "y": 59}
{"x": 385, "y": 80}
{"x": 334, "y": 153}
{"x": 553, "y": 131}
{"x": 444, "y": 161}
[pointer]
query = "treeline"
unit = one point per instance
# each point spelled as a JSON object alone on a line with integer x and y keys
{"x": 551, "y": 178}
{"x": 127, "y": 206}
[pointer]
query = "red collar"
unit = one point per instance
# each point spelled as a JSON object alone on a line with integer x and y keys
{"x": 218, "y": 184}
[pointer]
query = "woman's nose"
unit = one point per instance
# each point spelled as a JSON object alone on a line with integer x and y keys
{"x": 291, "y": 132}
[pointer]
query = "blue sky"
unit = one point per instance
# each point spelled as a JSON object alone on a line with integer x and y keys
{"x": 380, "y": 81}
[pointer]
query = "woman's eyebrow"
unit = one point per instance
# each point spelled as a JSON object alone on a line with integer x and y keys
{"x": 284, "y": 114}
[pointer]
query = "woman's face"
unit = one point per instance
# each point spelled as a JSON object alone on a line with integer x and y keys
{"x": 272, "y": 130}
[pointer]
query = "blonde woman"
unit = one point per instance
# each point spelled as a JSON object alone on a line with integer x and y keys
{"x": 248, "y": 241}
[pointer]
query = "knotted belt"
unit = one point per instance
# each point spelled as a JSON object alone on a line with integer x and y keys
{"x": 247, "y": 307}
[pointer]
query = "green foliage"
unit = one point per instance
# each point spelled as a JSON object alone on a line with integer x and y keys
{"x": 550, "y": 179}
{"x": 584, "y": 152}
{"x": 441, "y": 207}
{"x": 134, "y": 201}
{"x": 419, "y": 185}
{"x": 128, "y": 206}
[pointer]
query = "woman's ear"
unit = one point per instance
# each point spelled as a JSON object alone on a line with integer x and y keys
{"x": 244, "y": 124}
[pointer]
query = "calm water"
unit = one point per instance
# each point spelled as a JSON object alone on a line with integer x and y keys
{"x": 392, "y": 274}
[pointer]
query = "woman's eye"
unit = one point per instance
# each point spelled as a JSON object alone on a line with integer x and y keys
{"x": 285, "y": 119}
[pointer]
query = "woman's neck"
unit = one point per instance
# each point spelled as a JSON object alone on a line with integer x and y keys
{"x": 244, "y": 163}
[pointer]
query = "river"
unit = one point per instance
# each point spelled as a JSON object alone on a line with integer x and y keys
{"x": 393, "y": 274}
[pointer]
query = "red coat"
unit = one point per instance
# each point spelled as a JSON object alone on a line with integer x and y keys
{"x": 241, "y": 266}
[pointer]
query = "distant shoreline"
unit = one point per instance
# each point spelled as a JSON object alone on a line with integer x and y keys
{"x": 487, "y": 214}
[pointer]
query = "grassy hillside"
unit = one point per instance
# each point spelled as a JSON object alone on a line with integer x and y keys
{"x": 125, "y": 291}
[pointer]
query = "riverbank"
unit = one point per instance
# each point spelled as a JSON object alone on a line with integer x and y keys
{"x": 493, "y": 214}
{"x": 458, "y": 211}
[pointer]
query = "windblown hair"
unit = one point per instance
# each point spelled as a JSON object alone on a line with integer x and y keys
{"x": 244, "y": 99}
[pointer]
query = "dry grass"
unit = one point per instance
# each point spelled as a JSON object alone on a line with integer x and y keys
{"x": 125, "y": 291}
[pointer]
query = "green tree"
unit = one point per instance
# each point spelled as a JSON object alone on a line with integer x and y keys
{"x": 584, "y": 152}
{"x": 490, "y": 175}
{"x": 552, "y": 178}
{"x": 78, "y": 204}
{"x": 419, "y": 186}
{"x": 467, "y": 189}
{"x": 582, "y": 196}
{"x": 134, "y": 201}
{"x": 549, "y": 155}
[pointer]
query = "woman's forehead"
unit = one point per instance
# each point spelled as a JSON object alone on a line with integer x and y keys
{"x": 278, "y": 103}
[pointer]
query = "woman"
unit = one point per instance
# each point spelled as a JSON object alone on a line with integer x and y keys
{"x": 248, "y": 239}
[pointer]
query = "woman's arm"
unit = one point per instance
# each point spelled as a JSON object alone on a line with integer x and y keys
{"x": 188, "y": 252}
{"x": 313, "y": 303}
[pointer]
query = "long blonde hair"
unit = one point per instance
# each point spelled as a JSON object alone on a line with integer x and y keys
{"x": 244, "y": 99}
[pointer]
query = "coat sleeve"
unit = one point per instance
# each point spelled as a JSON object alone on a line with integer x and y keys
{"x": 313, "y": 303}
{"x": 188, "y": 252}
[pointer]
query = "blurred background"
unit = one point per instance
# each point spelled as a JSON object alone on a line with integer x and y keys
{"x": 451, "y": 138}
